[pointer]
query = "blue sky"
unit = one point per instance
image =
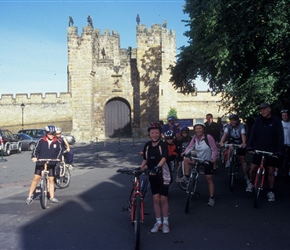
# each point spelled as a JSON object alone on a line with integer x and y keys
{"x": 33, "y": 44}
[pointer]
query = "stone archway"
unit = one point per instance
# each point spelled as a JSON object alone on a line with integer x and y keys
{"x": 117, "y": 118}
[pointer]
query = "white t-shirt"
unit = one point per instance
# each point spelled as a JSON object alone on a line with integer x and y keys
{"x": 286, "y": 128}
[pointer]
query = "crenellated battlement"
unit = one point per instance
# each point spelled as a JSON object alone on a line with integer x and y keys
{"x": 50, "y": 97}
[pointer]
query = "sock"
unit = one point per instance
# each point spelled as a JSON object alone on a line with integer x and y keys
{"x": 165, "y": 220}
{"x": 211, "y": 197}
{"x": 158, "y": 220}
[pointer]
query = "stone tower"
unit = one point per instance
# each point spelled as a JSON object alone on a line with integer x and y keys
{"x": 117, "y": 91}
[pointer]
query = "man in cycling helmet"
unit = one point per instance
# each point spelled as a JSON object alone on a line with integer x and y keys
{"x": 172, "y": 150}
{"x": 48, "y": 147}
{"x": 171, "y": 125}
{"x": 155, "y": 153}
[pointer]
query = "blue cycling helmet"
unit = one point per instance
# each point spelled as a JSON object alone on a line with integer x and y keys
{"x": 234, "y": 117}
{"x": 50, "y": 129}
{"x": 169, "y": 135}
{"x": 185, "y": 128}
{"x": 171, "y": 118}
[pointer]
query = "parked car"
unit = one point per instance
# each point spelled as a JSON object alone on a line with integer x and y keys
{"x": 34, "y": 133}
{"x": 28, "y": 143}
{"x": 8, "y": 142}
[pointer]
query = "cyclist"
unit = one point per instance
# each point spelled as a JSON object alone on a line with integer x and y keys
{"x": 47, "y": 147}
{"x": 235, "y": 133}
{"x": 206, "y": 149}
{"x": 183, "y": 141}
{"x": 266, "y": 135}
{"x": 170, "y": 126}
{"x": 172, "y": 149}
{"x": 286, "y": 128}
{"x": 68, "y": 155}
{"x": 155, "y": 153}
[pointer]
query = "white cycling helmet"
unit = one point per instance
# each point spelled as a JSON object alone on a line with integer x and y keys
{"x": 58, "y": 130}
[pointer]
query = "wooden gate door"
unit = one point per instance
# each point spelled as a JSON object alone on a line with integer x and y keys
{"x": 117, "y": 118}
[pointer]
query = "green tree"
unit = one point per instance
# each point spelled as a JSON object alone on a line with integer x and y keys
{"x": 241, "y": 48}
{"x": 172, "y": 112}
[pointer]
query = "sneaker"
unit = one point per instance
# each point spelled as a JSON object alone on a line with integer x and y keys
{"x": 53, "y": 200}
{"x": 250, "y": 187}
{"x": 271, "y": 196}
{"x": 276, "y": 173}
{"x": 247, "y": 180}
{"x": 183, "y": 179}
{"x": 211, "y": 202}
{"x": 156, "y": 228}
{"x": 165, "y": 229}
{"x": 177, "y": 179}
{"x": 70, "y": 166}
{"x": 29, "y": 200}
{"x": 227, "y": 164}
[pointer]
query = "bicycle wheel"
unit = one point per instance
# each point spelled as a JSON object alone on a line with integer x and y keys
{"x": 63, "y": 181}
{"x": 257, "y": 190}
{"x": 43, "y": 198}
{"x": 137, "y": 221}
{"x": 190, "y": 192}
{"x": 180, "y": 173}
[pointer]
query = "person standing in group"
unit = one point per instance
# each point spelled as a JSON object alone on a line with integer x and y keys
{"x": 286, "y": 128}
{"x": 206, "y": 149}
{"x": 212, "y": 128}
{"x": 155, "y": 153}
{"x": 235, "y": 133}
{"x": 266, "y": 135}
{"x": 171, "y": 125}
{"x": 47, "y": 147}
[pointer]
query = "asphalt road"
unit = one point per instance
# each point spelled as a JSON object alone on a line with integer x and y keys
{"x": 90, "y": 216}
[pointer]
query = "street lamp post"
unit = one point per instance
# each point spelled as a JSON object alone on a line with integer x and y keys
{"x": 22, "y": 108}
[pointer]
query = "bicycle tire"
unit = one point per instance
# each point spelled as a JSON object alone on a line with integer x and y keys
{"x": 190, "y": 191}
{"x": 43, "y": 198}
{"x": 63, "y": 181}
{"x": 137, "y": 221}
{"x": 257, "y": 190}
{"x": 180, "y": 173}
{"x": 232, "y": 173}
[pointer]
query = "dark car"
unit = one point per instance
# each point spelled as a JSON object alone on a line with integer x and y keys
{"x": 70, "y": 139}
{"x": 34, "y": 133}
{"x": 28, "y": 143}
{"x": 8, "y": 142}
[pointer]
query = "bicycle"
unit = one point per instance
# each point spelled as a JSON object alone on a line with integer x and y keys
{"x": 136, "y": 199}
{"x": 180, "y": 170}
{"x": 260, "y": 175}
{"x": 44, "y": 182}
{"x": 192, "y": 181}
{"x": 62, "y": 174}
{"x": 234, "y": 164}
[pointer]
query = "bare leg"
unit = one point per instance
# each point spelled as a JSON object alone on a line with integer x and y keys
{"x": 33, "y": 185}
{"x": 156, "y": 205}
{"x": 210, "y": 184}
{"x": 51, "y": 186}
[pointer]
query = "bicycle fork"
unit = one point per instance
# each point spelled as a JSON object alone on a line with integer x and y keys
{"x": 260, "y": 172}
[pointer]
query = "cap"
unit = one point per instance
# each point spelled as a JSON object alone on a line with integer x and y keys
{"x": 264, "y": 105}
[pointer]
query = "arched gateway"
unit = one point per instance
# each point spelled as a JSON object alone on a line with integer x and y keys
{"x": 117, "y": 118}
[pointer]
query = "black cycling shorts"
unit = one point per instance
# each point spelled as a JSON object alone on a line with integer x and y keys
{"x": 157, "y": 186}
{"x": 269, "y": 161}
{"x": 39, "y": 168}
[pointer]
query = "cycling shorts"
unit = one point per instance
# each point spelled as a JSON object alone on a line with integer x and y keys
{"x": 39, "y": 168}
{"x": 157, "y": 186}
{"x": 269, "y": 161}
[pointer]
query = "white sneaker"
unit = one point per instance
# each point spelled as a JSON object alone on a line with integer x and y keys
{"x": 271, "y": 196}
{"x": 227, "y": 164}
{"x": 211, "y": 202}
{"x": 183, "y": 179}
{"x": 250, "y": 187}
{"x": 157, "y": 226}
{"x": 165, "y": 229}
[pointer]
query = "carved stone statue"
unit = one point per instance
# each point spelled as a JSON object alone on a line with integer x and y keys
{"x": 164, "y": 25}
{"x": 103, "y": 53}
{"x": 90, "y": 21}
{"x": 70, "y": 22}
{"x": 138, "y": 19}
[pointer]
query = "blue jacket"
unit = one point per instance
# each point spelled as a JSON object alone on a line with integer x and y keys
{"x": 267, "y": 135}
{"x": 43, "y": 150}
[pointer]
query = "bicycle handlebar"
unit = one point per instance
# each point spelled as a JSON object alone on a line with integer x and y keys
{"x": 47, "y": 160}
{"x": 226, "y": 145}
{"x": 197, "y": 159}
{"x": 135, "y": 172}
{"x": 265, "y": 153}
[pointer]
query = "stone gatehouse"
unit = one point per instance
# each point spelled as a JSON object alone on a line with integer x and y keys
{"x": 112, "y": 91}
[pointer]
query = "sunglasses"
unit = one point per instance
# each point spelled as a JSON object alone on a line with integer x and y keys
{"x": 169, "y": 138}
